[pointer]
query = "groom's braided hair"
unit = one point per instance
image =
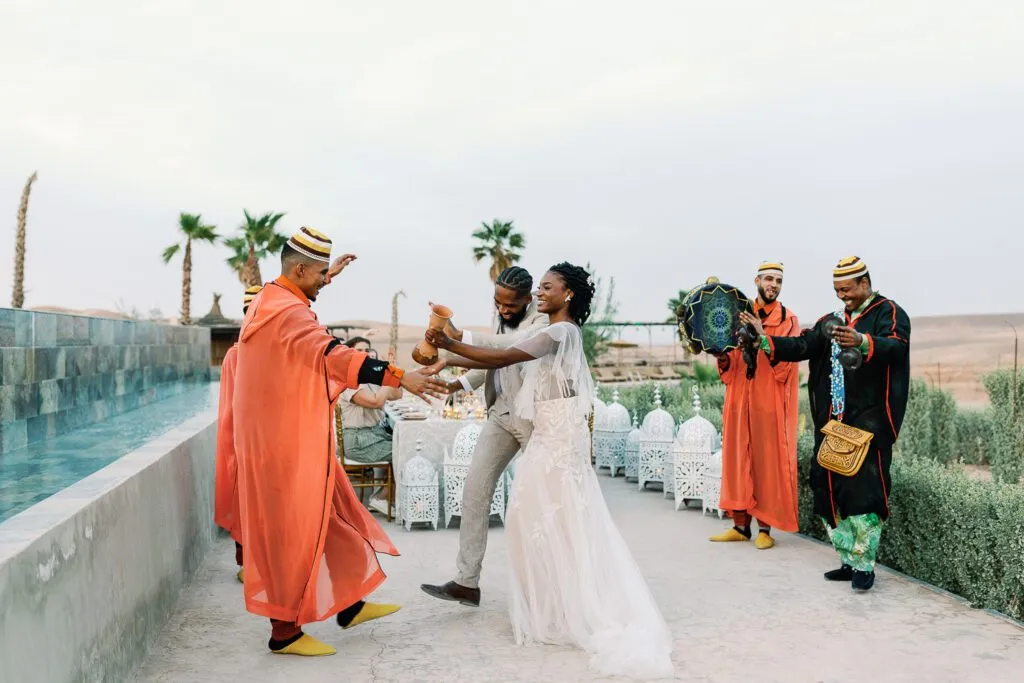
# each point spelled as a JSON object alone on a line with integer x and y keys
{"x": 579, "y": 281}
{"x": 517, "y": 279}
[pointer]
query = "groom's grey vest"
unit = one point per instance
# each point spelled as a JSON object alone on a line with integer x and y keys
{"x": 510, "y": 378}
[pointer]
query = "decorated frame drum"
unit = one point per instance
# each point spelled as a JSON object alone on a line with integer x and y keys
{"x": 709, "y": 317}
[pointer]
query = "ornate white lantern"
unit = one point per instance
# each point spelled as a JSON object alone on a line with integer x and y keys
{"x": 456, "y": 467}
{"x": 599, "y": 411}
{"x": 420, "y": 498}
{"x": 610, "y": 437}
{"x": 633, "y": 450}
{"x": 713, "y": 485}
{"x": 656, "y": 439}
{"x": 695, "y": 441}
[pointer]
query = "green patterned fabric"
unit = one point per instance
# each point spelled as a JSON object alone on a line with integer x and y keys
{"x": 856, "y": 540}
{"x": 367, "y": 444}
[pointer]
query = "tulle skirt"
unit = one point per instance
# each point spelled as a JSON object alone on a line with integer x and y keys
{"x": 574, "y": 580}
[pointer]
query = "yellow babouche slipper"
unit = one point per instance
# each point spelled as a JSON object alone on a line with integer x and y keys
{"x": 307, "y": 646}
{"x": 240, "y": 576}
{"x": 729, "y": 536}
{"x": 371, "y": 611}
{"x": 764, "y": 541}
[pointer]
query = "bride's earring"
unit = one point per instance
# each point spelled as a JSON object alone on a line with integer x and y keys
{"x": 568, "y": 298}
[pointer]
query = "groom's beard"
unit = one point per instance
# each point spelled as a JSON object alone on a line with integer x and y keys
{"x": 515, "y": 321}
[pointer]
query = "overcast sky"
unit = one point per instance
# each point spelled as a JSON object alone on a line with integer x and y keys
{"x": 661, "y": 141}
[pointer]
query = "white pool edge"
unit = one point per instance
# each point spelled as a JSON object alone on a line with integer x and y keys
{"x": 89, "y": 575}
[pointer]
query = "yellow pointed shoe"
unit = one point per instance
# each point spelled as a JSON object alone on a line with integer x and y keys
{"x": 730, "y": 535}
{"x": 764, "y": 541}
{"x": 307, "y": 646}
{"x": 371, "y": 611}
{"x": 240, "y": 576}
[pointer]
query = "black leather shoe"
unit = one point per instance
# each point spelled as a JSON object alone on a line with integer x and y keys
{"x": 844, "y": 573}
{"x": 863, "y": 581}
{"x": 454, "y": 592}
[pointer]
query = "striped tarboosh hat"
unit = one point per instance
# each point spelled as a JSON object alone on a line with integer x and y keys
{"x": 311, "y": 243}
{"x": 849, "y": 268}
{"x": 250, "y": 294}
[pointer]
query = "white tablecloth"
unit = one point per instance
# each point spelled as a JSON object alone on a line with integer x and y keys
{"x": 435, "y": 434}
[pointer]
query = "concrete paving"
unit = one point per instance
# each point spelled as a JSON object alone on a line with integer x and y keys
{"x": 737, "y": 614}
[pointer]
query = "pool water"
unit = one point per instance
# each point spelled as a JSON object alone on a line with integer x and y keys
{"x": 29, "y": 475}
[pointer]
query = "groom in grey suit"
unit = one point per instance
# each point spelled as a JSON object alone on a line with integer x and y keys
{"x": 503, "y": 435}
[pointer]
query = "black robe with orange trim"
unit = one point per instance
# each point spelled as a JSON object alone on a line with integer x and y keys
{"x": 876, "y": 400}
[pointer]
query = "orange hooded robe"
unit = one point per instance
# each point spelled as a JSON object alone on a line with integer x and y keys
{"x": 310, "y": 545}
{"x": 225, "y": 492}
{"x": 759, "y": 472}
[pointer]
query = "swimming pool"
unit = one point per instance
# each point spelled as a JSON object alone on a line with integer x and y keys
{"x": 29, "y": 475}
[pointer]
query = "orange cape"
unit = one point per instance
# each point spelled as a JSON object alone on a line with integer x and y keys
{"x": 225, "y": 492}
{"x": 759, "y": 472}
{"x": 310, "y": 545}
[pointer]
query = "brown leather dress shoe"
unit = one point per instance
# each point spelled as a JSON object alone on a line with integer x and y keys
{"x": 455, "y": 592}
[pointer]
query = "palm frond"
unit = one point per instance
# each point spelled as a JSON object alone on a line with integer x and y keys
{"x": 206, "y": 233}
{"x": 170, "y": 252}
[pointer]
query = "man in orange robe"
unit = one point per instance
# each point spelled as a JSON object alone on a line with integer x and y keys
{"x": 759, "y": 472}
{"x": 225, "y": 492}
{"x": 310, "y": 545}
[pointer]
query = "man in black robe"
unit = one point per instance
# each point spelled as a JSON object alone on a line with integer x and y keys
{"x": 872, "y": 397}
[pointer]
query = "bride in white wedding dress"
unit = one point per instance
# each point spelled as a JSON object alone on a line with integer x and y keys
{"x": 574, "y": 580}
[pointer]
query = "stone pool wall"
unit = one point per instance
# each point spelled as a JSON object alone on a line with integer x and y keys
{"x": 89, "y": 576}
{"x": 61, "y": 372}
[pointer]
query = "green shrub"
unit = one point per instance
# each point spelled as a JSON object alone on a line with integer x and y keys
{"x": 1007, "y": 452}
{"x": 962, "y": 535}
{"x": 973, "y": 436}
{"x": 676, "y": 398}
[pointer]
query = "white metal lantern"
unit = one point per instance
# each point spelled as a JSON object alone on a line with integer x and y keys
{"x": 633, "y": 450}
{"x": 695, "y": 442}
{"x": 656, "y": 439}
{"x": 419, "y": 484}
{"x": 610, "y": 437}
{"x": 599, "y": 411}
{"x": 669, "y": 487}
{"x": 456, "y": 467}
{"x": 713, "y": 485}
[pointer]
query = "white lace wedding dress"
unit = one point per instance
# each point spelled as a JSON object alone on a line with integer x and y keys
{"x": 574, "y": 580}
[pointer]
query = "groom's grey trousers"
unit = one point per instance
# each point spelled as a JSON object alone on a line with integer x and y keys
{"x": 501, "y": 438}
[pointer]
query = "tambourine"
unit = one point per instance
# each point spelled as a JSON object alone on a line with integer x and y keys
{"x": 709, "y": 317}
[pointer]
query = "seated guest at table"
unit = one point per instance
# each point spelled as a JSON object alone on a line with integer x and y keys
{"x": 363, "y": 434}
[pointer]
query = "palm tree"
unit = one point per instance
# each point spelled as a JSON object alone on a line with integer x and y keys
{"x": 257, "y": 240}
{"x": 192, "y": 228}
{"x": 18, "y": 296}
{"x": 674, "y": 303}
{"x": 500, "y": 242}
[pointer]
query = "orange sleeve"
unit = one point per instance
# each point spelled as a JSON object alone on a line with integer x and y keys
{"x": 727, "y": 366}
{"x": 342, "y": 368}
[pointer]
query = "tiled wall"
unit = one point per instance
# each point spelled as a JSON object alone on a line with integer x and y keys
{"x": 61, "y": 372}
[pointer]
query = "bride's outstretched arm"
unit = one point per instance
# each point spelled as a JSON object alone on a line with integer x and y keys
{"x": 483, "y": 358}
{"x": 454, "y": 361}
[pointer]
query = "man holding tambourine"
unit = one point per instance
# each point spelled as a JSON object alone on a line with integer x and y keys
{"x": 858, "y": 384}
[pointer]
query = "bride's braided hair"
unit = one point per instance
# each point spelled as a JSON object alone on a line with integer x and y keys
{"x": 582, "y": 286}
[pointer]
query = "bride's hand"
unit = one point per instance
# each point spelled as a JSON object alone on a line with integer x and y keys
{"x": 439, "y": 339}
